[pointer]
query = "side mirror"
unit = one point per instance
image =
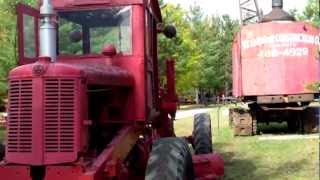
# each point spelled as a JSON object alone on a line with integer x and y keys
{"x": 170, "y": 31}
{"x": 75, "y": 36}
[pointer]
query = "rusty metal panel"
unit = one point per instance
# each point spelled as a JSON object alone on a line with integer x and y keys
{"x": 243, "y": 123}
{"x": 275, "y": 58}
{"x": 243, "y": 130}
{"x": 285, "y": 99}
{"x": 244, "y": 119}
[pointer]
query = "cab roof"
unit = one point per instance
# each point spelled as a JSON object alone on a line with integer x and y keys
{"x": 152, "y": 5}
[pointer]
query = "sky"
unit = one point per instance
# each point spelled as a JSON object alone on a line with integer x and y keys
{"x": 231, "y": 7}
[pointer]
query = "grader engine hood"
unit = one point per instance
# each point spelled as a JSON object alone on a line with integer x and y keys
{"x": 95, "y": 72}
{"x": 44, "y": 104}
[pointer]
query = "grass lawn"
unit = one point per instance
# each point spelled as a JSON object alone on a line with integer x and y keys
{"x": 248, "y": 158}
{"x": 2, "y": 134}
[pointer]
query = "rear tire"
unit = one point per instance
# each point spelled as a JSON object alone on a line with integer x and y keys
{"x": 170, "y": 159}
{"x": 202, "y": 136}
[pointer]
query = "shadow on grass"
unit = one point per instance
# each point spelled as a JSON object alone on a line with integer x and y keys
{"x": 246, "y": 162}
{"x": 239, "y": 167}
{"x": 286, "y": 169}
{"x": 235, "y": 167}
{"x": 245, "y": 169}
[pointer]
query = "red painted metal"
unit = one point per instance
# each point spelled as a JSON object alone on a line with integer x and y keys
{"x": 16, "y": 172}
{"x": 152, "y": 5}
{"x": 171, "y": 85}
{"x": 208, "y": 166}
{"x": 275, "y": 58}
{"x": 94, "y": 116}
{"x": 170, "y": 99}
{"x": 52, "y": 81}
{"x": 168, "y": 104}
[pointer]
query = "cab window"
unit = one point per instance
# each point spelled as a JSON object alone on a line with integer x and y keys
{"x": 88, "y": 31}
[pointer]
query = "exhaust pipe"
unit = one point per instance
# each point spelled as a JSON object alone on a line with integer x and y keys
{"x": 277, "y": 4}
{"x": 277, "y": 13}
{"x": 48, "y": 31}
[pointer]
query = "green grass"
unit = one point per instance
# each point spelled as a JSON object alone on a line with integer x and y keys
{"x": 248, "y": 158}
{"x": 2, "y": 134}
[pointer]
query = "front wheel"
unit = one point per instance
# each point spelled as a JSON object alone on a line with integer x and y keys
{"x": 202, "y": 136}
{"x": 170, "y": 159}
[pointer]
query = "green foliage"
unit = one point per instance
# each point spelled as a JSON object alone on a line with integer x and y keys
{"x": 312, "y": 13}
{"x": 8, "y": 40}
{"x": 65, "y": 44}
{"x": 182, "y": 48}
{"x": 202, "y": 49}
{"x": 161, "y": 2}
{"x": 216, "y": 66}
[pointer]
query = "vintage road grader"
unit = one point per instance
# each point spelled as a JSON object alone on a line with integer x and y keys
{"x": 85, "y": 101}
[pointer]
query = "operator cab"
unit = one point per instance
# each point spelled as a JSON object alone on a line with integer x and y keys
{"x": 83, "y": 32}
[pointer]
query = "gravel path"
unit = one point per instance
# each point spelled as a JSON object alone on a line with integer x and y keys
{"x": 190, "y": 113}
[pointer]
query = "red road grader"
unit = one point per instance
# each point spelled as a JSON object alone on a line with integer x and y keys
{"x": 85, "y": 101}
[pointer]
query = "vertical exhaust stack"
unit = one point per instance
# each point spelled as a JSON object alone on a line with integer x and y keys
{"x": 48, "y": 31}
{"x": 277, "y": 13}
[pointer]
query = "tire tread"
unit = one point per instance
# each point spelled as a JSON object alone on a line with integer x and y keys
{"x": 202, "y": 137}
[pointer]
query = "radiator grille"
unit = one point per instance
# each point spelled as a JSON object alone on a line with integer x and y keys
{"x": 59, "y": 115}
{"x": 20, "y": 116}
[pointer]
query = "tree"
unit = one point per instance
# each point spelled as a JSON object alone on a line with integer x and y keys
{"x": 8, "y": 40}
{"x": 180, "y": 48}
{"x": 202, "y": 49}
{"x": 311, "y": 13}
{"x": 216, "y": 67}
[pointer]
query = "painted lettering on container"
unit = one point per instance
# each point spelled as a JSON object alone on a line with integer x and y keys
{"x": 282, "y": 45}
{"x": 288, "y": 52}
{"x": 286, "y": 38}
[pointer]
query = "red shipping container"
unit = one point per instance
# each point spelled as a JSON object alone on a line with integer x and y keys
{"x": 275, "y": 58}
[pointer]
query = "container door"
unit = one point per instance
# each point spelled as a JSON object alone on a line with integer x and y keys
{"x": 28, "y": 34}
